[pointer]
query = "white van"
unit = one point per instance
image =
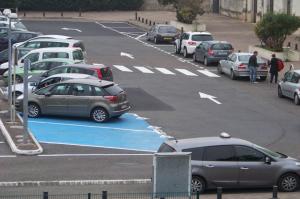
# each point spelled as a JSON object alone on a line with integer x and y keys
{"x": 74, "y": 54}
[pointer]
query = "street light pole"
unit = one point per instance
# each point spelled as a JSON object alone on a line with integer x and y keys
{"x": 9, "y": 71}
{"x": 25, "y": 100}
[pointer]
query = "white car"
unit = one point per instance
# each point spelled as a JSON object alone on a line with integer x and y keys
{"x": 290, "y": 86}
{"x": 44, "y": 37}
{"x": 188, "y": 42}
{"x": 34, "y": 84}
{"x": 74, "y": 54}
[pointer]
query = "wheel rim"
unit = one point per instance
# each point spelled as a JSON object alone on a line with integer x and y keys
{"x": 197, "y": 185}
{"x": 289, "y": 183}
{"x": 231, "y": 75}
{"x": 99, "y": 115}
{"x": 155, "y": 40}
{"x": 33, "y": 110}
{"x": 296, "y": 99}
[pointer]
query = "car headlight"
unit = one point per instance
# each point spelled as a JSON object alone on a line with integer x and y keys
{"x": 297, "y": 163}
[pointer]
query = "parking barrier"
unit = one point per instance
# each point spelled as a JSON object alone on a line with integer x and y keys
{"x": 296, "y": 46}
{"x": 24, "y": 14}
{"x": 44, "y": 14}
{"x": 150, "y": 23}
{"x": 62, "y": 14}
{"x": 146, "y": 21}
{"x": 142, "y": 20}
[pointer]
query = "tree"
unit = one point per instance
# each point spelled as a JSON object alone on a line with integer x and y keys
{"x": 273, "y": 29}
{"x": 186, "y": 10}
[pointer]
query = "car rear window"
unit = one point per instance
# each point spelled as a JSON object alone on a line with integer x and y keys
{"x": 167, "y": 29}
{"x": 79, "y": 45}
{"x": 165, "y": 148}
{"x": 48, "y": 55}
{"x": 245, "y": 59}
{"x": 113, "y": 89}
{"x": 202, "y": 38}
{"x": 221, "y": 46}
{"x": 77, "y": 55}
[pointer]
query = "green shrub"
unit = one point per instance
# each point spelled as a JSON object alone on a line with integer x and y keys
{"x": 273, "y": 29}
{"x": 186, "y": 15}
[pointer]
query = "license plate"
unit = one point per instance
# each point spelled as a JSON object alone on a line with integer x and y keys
{"x": 123, "y": 106}
{"x": 167, "y": 38}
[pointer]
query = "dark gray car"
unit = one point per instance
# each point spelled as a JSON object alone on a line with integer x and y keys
{"x": 162, "y": 33}
{"x": 212, "y": 51}
{"x": 99, "y": 100}
{"x": 235, "y": 163}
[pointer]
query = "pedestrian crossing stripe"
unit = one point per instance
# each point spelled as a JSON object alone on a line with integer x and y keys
{"x": 149, "y": 70}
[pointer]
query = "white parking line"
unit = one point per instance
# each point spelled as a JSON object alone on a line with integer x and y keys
{"x": 122, "y": 68}
{"x": 208, "y": 73}
{"x": 141, "y": 36}
{"x": 8, "y": 156}
{"x": 165, "y": 71}
{"x": 104, "y": 155}
{"x": 144, "y": 69}
{"x": 1, "y": 91}
{"x": 2, "y": 142}
{"x": 186, "y": 72}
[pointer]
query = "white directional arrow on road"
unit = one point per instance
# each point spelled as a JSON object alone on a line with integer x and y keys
{"x": 127, "y": 55}
{"x": 71, "y": 29}
{"x": 210, "y": 97}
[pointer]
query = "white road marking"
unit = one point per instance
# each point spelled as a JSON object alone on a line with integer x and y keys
{"x": 75, "y": 29}
{"x": 74, "y": 182}
{"x": 208, "y": 73}
{"x": 2, "y": 142}
{"x": 8, "y": 156}
{"x": 210, "y": 97}
{"x": 104, "y": 155}
{"x": 186, "y": 72}
{"x": 144, "y": 69}
{"x": 123, "y": 27}
{"x": 164, "y": 45}
{"x": 141, "y": 36}
{"x": 122, "y": 68}
{"x": 1, "y": 91}
{"x": 165, "y": 71}
{"x": 126, "y": 55}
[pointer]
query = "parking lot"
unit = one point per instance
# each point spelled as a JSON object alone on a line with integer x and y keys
{"x": 163, "y": 89}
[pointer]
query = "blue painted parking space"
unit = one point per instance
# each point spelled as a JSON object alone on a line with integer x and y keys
{"x": 129, "y": 132}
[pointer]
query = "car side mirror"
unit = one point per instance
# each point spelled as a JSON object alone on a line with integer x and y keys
{"x": 48, "y": 94}
{"x": 268, "y": 160}
{"x": 45, "y": 75}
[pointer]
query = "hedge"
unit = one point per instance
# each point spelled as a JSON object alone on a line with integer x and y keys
{"x": 73, "y": 5}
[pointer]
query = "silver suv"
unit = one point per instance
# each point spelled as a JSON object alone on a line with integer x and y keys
{"x": 290, "y": 86}
{"x": 235, "y": 163}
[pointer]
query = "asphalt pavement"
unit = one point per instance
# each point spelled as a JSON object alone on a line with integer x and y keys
{"x": 164, "y": 88}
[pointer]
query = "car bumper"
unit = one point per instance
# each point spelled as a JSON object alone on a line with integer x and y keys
{"x": 215, "y": 59}
{"x": 170, "y": 39}
{"x": 120, "y": 112}
{"x": 190, "y": 49}
{"x": 247, "y": 73}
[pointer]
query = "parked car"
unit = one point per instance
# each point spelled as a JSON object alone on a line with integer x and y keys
{"x": 36, "y": 83}
{"x": 16, "y": 36}
{"x": 162, "y": 33}
{"x": 188, "y": 41}
{"x": 38, "y": 68}
{"x": 236, "y": 65}
{"x": 290, "y": 86}
{"x": 47, "y": 37}
{"x": 99, "y": 100}
{"x": 212, "y": 51}
{"x": 235, "y": 163}
{"x": 4, "y": 56}
{"x": 100, "y": 71}
{"x": 73, "y": 54}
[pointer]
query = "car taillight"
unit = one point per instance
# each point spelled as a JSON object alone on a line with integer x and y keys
{"x": 111, "y": 98}
{"x": 242, "y": 66}
{"x": 210, "y": 52}
{"x": 192, "y": 43}
{"x": 264, "y": 67}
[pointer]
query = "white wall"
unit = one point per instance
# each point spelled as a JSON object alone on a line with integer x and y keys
{"x": 296, "y": 7}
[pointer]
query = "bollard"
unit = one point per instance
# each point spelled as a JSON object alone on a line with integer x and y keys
{"x": 24, "y": 14}
{"x": 296, "y": 46}
{"x": 104, "y": 194}
{"x": 62, "y": 14}
{"x": 45, "y": 195}
{"x": 89, "y": 196}
{"x": 181, "y": 30}
{"x": 135, "y": 15}
{"x": 150, "y": 23}
{"x": 289, "y": 44}
{"x": 44, "y": 14}
{"x": 79, "y": 12}
{"x": 166, "y": 22}
{"x": 219, "y": 193}
{"x": 146, "y": 21}
{"x": 275, "y": 192}
{"x": 139, "y": 18}
{"x": 153, "y": 22}
{"x": 198, "y": 195}
{"x": 142, "y": 20}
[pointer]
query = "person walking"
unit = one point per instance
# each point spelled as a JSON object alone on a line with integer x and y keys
{"x": 274, "y": 69}
{"x": 252, "y": 65}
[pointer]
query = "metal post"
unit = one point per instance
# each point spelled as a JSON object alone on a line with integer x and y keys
{"x": 275, "y": 192}
{"x": 14, "y": 93}
{"x": 25, "y": 100}
{"x": 104, "y": 194}
{"x": 9, "y": 71}
{"x": 135, "y": 15}
{"x": 45, "y": 195}
{"x": 198, "y": 195}
{"x": 219, "y": 193}
{"x": 89, "y": 196}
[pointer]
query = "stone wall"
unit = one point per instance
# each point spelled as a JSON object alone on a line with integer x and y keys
{"x": 154, "y": 5}
{"x": 233, "y": 8}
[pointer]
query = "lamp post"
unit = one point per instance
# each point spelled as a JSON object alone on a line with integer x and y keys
{"x": 9, "y": 71}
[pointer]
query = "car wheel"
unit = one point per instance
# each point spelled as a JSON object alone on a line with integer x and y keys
{"x": 34, "y": 110}
{"x": 232, "y": 75}
{"x": 263, "y": 78}
{"x": 280, "y": 95}
{"x": 205, "y": 61}
{"x": 185, "y": 53}
{"x": 288, "y": 182}
{"x": 198, "y": 184}
{"x": 194, "y": 57}
{"x": 296, "y": 99}
{"x": 99, "y": 114}
{"x": 155, "y": 40}
{"x": 219, "y": 69}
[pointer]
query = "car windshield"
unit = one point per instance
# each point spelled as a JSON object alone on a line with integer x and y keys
{"x": 221, "y": 46}
{"x": 167, "y": 29}
{"x": 202, "y": 38}
{"x": 245, "y": 59}
{"x": 269, "y": 152}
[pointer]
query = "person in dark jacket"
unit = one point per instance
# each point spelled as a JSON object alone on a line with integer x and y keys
{"x": 252, "y": 65}
{"x": 274, "y": 69}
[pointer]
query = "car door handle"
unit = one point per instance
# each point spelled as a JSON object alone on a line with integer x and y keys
{"x": 209, "y": 166}
{"x": 244, "y": 168}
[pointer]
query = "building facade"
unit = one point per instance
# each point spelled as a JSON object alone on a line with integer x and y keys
{"x": 253, "y": 10}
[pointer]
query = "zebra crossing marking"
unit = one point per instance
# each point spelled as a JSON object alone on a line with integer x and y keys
{"x": 208, "y": 73}
{"x": 122, "y": 68}
{"x": 186, "y": 72}
{"x": 144, "y": 69}
{"x": 165, "y": 71}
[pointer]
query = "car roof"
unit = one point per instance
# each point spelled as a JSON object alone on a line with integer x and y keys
{"x": 93, "y": 82}
{"x": 297, "y": 71}
{"x": 71, "y": 75}
{"x": 215, "y": 42}
{"x": 199, "y": 33}
{"x": 243, "y": 53}
{"x": 58, "y": 49}
{"x": 159, "y": 25}
{"x": 55, "y": 36}
{"x": 25, "y": 31}
{"x": 206, "y": 141}
{"x": 57, "y": 40}
{"x": 87, "y": 65}
{"x": 56, "y": 59}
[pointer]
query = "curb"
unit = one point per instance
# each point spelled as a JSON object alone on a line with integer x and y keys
{"x": 14, "y": 147}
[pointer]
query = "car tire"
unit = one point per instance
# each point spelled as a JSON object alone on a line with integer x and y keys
{"x": 205, "y": 62}
{"x": 155, "y": 40}
{"x": 263, "y": 78}
{"x": 185, "y": 52}
{"x": 99, "y": 114}
{"x": 198, "y": 184}
{"x": 219, "y": 69}
{"x": 280, "y": 95}
{"x": 296, "y": 99}
{"x": 288, "y": 182}
{"x": 34, "y": 110}
{"x": 195, "y": 58}
{"x": 232, "y": 75}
